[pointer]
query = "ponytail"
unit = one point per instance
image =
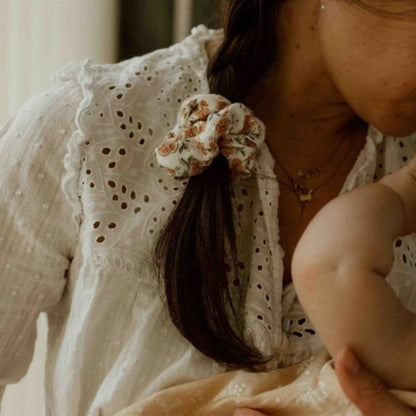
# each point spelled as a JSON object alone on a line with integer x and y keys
{"x": 192, "y": 249}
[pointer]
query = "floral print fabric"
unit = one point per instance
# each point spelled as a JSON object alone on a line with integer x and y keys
{"x": 208, "y": 124}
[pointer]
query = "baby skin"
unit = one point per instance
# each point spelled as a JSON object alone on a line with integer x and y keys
{"x": 339, "y": 267}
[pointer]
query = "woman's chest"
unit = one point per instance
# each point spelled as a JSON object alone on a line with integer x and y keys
{"x": 294, "y": 219}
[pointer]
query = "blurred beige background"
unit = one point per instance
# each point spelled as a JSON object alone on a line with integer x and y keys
{"x": 37, "y": 37}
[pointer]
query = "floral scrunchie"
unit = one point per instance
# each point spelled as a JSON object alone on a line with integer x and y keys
{"x": 207, "y": 125}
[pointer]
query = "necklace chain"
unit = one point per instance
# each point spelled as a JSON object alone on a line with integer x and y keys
{"x": 297, "y": 185}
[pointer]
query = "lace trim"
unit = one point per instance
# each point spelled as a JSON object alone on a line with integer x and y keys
{"x": 73, "y": 157}
{"x": 83, "y": 71}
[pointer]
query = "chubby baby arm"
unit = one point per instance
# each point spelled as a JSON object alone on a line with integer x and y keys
{"x": 339, "y": 268}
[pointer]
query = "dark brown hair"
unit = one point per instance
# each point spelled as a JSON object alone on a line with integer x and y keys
{"x": 192, "y": 249}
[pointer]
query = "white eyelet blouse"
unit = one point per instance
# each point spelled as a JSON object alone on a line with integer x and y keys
{"x": 82, "y": 202}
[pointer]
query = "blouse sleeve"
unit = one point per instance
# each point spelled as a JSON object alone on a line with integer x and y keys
{"x": 37, "y": 233}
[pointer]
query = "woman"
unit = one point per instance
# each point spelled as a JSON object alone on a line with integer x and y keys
{"x": 86, "y": 208}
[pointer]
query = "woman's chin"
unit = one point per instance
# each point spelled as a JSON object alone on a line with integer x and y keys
{"x": 403, "y": 128}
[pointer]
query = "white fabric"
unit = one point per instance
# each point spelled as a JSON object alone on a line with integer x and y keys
{"x": 209, "y": 124}
{"x": 82, "y": 202}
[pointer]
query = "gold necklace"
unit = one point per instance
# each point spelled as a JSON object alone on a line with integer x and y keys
{"x": 297, "y": 185}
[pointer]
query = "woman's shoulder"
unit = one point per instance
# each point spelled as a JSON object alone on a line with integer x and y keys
{"x": 145, "y": 71}
{"x": 126, "y": 109}
{"x": 142, "y": 93}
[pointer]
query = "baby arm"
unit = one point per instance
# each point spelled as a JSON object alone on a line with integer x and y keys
{"x": 339, "y": 268}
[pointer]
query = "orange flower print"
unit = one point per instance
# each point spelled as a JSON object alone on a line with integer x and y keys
{"x": 197, "y": 167}
{"x": 249, "y": 143}
{"x": 172, "y": 172}
{"x": 191, "y": 131}
{"x": 249, "y": 124}
{"x": 221, "y": 105}
{"x": 226, "y": 145}
{"x": 194, "y": 130}
{"x": 237, "y": 165}
{"x": 202, "y": 110}
{"x": 222, "y": 126}
{"x": 200, "y": 146}
{"x": 167, "y": 148}
{"x": 212, "y": 144}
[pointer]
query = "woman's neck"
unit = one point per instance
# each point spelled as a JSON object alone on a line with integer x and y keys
{"x": 305, "y": 115}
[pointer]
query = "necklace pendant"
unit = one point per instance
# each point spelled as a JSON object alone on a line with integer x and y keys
{"x": 306, "y": 197}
